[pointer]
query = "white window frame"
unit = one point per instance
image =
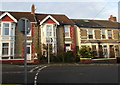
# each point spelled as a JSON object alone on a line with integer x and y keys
{"x": 12, "y": 47}
{"x": 68, "y": 47}
{"x": 105, "y": 34}
{"x": 4, "y": 29}
{"x": 88, "y": 33}
{"x": 8, "y": 49}
{"x": 51, "y": 25}
{"x": 10, "y": 27}
{"x": 111, "y": 34}
{"x": 68, "y": 27}
{"x": 29, "y": 57}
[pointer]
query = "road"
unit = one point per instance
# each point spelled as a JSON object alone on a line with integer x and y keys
{"x": 62, "y": 74}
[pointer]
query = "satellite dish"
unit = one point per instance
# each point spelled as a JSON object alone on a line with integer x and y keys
{"x": 22, "y": 23}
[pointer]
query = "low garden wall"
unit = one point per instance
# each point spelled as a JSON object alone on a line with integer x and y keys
{"x": 105, "y": 60}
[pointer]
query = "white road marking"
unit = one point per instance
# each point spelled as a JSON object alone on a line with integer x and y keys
{"x": 35, "y": 81}
{"x": 36, "y": 74}
{"x": 34, "y": 69}
{"x": 35, "y": 77}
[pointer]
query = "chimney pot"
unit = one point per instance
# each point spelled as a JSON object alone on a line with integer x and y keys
{"x": 33, "y": 9}
{"x": 112, "y": 18}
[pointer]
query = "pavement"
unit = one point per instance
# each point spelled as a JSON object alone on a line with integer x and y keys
{"x": 62, "y": 74}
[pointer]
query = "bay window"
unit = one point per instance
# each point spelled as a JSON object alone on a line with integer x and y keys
{"x": 5, "y": 48}
{"x": 7, "y": 32}
{"x": 12, "y": 29}
{"x": 12, "y": 50}
{"x": 48, "y": 30}
{"x": 6, "y": 28}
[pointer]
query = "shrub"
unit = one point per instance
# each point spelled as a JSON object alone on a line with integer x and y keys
{"x": 77, "y": 59}
{"x": 54, "y": 58}
{"x": 42, "y": 59}
{"x": 86, "y": 52}
{"x": 69, "y": 56}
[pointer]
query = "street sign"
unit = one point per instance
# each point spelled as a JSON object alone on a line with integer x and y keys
{"x": 21, "y": 25}
{"x": 24, "y": 27}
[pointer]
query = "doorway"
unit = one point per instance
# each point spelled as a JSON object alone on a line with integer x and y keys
{"x": 28, "y": 51}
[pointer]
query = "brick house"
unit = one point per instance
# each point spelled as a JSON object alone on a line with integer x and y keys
{"x": 100, "y": 35}
{"x": 65, "y": 34}
{"x": 58, "y": 28}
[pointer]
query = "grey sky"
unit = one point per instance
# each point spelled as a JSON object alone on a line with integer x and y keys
{"x": 92, "y": 9}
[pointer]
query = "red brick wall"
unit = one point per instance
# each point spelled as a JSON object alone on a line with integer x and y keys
{"x": 72, "y": 35}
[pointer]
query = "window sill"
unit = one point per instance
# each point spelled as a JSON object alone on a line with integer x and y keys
{"x": 28, "y": 35}
{"x": 67, "y": 37}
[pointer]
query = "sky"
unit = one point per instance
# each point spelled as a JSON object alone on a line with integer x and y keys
{"x": 74, "y": 9}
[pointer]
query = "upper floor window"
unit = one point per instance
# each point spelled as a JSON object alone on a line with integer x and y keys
{"x": 6, "y": 28}
{"x": 103, "y": 34}
{"x": 109, "y": 34}
{"x": 90, "y": 34}
{"x": 48, "y": 30}
{"x": 67, "y": 31}
{"x": 12, "y": 29}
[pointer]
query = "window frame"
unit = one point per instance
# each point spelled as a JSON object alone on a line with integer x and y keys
{"x": 69, "y": 47}
{"x": 5, "y": 48}
{"x": 50, "y": 31}
{"x": 11, "y": 28}
{"x": 88, "y": 34}
{"x": 104, "y": 34}
{"x": 3, "y": 29}
{"x": 110, "y": 34}
{"x": 68, "y": 31}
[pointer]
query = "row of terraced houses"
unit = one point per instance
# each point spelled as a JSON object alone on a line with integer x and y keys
{"x": 66, "y": 35}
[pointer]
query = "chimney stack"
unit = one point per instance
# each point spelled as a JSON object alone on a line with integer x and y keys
{"x": 112, "y": 18}
{"x": 33, "y": 9}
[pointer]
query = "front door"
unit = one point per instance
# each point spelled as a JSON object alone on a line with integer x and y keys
{"x": 28, "y": 51}
{"x": 112, "y": 53}
{"x": 105, "y": 51}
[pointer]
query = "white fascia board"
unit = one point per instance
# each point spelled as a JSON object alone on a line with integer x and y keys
{"x": 29, "y": 41}
{"x": 6, "y": 13}
{"x": 48, "y": 18}
{"x": 68, "y": 42}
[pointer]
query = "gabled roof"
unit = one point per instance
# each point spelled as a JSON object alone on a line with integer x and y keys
{"x": 62, "y": 19}
{"x": 46, "y": 18}
{"x": 7, "y": 14}
{"x": 96, "y": 23}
